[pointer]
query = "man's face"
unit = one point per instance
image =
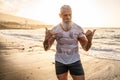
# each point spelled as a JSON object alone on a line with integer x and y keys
{"x": 66, "y": 15}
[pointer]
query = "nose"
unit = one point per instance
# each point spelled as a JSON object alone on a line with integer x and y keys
{"x": 68, "y": 16}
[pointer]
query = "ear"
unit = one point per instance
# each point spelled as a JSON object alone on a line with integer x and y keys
{"x": 60, "y": 15}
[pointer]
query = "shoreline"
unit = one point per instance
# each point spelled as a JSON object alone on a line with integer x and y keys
{"x": 22, "y": 57}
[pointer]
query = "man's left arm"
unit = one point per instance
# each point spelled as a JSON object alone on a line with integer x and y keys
{"x": 86, "y": 41}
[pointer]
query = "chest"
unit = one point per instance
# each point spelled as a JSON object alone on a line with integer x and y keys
{"x": 67, "y": 35}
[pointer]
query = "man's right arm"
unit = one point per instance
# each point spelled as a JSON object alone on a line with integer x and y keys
{"x": 48, "y": 43}
{"x": 49, "y": 39}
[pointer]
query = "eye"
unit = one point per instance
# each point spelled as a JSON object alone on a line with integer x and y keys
{"x": 66, "y": 15}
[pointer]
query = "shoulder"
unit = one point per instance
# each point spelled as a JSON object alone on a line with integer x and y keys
{"x": 56, "y": 27}
{"x": 78, "y": 27}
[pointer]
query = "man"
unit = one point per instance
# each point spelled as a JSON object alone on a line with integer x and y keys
{"x": 67, "y": 35}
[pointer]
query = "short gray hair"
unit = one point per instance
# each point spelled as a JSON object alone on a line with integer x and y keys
{"x": 65, "y": 7}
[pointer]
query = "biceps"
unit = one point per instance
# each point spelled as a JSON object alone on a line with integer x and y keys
{"x": 51, "y": 41}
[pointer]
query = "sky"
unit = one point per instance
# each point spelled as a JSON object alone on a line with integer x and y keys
{"x": 88, "y": 13}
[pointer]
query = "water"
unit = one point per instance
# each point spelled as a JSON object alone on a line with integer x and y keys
{"x": 106, "y": 41}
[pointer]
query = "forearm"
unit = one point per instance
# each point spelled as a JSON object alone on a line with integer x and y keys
{"x": 49, "y": 40}
{"x": 86, "y": 41}
{"x": 87, "y": 46}
{"x": 48, "y": 43}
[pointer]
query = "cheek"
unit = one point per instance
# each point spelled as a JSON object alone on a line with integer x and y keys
{"x": 64, "y": 18}
{"x": 67, "y": 18}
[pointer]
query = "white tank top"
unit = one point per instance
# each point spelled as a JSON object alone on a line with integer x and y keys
{"x": 67, "y": 44}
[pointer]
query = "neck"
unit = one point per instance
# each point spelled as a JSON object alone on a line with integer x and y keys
{"x": 66, "y": 26}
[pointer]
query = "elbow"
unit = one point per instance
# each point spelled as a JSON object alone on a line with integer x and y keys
{"x": 45, "y": 45}
{"x": 86, "y": 49}
{"x": 87, "y": 46}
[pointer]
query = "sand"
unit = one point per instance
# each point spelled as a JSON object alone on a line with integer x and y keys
{"x": 22, "y": 57}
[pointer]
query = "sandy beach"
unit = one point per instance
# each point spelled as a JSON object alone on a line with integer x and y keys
{"x": 22, "y": 56}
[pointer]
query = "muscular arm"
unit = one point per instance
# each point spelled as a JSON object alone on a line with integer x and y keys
{"x": 48, "y": 43}
{"x": 49, "y": 40}
{"x": 86, "y": 42}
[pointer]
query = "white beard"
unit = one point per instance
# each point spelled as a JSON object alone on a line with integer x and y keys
{"x": 66, "y": 25}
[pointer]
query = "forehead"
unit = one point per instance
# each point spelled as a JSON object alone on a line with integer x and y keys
{"x": 66, "y": 11}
